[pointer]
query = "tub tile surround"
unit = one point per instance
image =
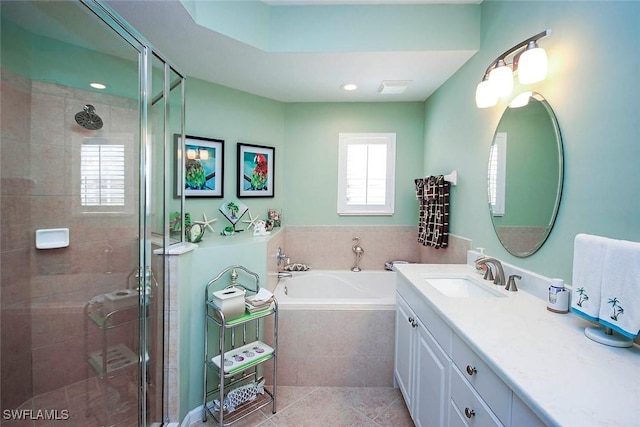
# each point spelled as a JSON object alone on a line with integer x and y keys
{"x": 335, "y": 348}
{"x": 543, "y": 357}
{"x": 329, "y": 247}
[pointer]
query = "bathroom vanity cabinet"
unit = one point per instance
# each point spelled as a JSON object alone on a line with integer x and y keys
{"x": 443, "y": 381}
{"x": 422, "y": 368}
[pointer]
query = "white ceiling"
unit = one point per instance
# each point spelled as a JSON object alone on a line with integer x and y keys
{"x": 289, "y": 77}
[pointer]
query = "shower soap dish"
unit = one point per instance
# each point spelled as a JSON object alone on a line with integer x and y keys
{"x": 52, "y": 238}
{"x": 244, "y": 357}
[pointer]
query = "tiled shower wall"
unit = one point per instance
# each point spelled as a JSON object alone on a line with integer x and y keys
{"x": 15, "y": 249}
{"x": 44, "y": 291}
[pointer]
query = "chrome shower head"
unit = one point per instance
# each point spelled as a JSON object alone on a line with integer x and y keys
{"x": 88, "y": 119}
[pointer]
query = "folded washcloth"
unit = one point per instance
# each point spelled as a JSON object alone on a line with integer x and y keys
{"x": 620, "y": 297}
{"x": 263, "y": 297}
{"x": 588, "y": 256}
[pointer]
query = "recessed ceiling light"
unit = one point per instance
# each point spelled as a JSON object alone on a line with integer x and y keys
{"x": 349, "y": 86}
{"x": 97, "y": 86}
{"x": 393, "y": 87}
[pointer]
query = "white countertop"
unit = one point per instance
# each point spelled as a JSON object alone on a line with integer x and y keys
{"x": 545, "y": 358}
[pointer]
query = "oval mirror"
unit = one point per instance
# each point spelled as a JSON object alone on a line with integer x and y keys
{"x": 525, "y": 174}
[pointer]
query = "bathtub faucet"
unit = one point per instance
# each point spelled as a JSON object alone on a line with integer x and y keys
{"x": 280, "y": 256}
{"x": 357, "y": 249}
{"x": 283, "y": 274}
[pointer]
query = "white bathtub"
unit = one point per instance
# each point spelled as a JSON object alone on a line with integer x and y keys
{"x": 337, "y": 290}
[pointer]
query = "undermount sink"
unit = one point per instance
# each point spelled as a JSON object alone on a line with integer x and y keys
{"x": 463, "y": 286}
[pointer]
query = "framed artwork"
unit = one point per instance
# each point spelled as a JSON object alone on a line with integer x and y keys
{"x": 255, "y": 170}
{"x": 203, "y": 167}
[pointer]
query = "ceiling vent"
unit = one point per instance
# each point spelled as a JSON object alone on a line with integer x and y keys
{"x": 393, "y": 87}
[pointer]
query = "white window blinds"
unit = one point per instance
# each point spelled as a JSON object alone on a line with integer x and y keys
{"x": 366, "y": 174}
{"x": 102, "y": 170}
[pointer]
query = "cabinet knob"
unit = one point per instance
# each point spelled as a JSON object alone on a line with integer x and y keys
{"x": 469, "y": 413}
{"x": 413, "y": 322}
{"x": 471, "y": 370}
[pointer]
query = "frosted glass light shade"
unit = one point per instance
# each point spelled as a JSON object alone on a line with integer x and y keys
{"x": 501, "y": 79}
{"x": 485, "y": 96}
{"x": 532, "y": 66}
{"x": 521, "y": 100}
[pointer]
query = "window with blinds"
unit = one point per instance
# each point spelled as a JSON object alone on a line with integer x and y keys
{"x": 102, "y": 176}
{"x": 366, "y": 176}
{"x": 497, "y": 172}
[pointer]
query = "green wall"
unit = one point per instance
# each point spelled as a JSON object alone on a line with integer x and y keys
{"x": 311, "y": 158}
{"x": 306, "y": 139}
{"x": 594, "y": 56}
{"x": 214, "y": 111}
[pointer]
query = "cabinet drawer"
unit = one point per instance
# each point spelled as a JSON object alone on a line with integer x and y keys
{"x": 467, "y": 406}
{"x": 494, "y": 392}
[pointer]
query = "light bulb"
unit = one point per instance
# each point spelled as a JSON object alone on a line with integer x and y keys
{"x": 485, "y": 97}
{"x": 204, "y": 154}
{"x": 501, "y": 78}
{"x": 191, "y": 154}
{"x": 533, "y": 65}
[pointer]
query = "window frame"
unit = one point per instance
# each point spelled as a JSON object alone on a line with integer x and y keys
{"x": 497, "y": 174}
{"x": 344, "y": 141}
{"x": 125, "y": 208}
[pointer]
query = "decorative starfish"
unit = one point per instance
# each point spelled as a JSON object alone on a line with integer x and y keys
{"x": 251, "y": 221}
{"x": 206, "y": 223}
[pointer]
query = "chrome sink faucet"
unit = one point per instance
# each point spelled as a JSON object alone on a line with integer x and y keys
{"x": 499, "y": 276}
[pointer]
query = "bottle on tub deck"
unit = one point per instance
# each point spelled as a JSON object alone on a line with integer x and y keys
{"x": 558, "y": 298}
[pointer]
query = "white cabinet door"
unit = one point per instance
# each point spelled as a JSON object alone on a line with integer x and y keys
{"x": 431, "y": 390}
{"x": 522, "y": 416}
{"x": 405, "y": 320}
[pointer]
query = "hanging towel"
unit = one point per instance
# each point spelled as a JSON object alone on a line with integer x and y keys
{"x": 620, "y": 298}
{"x": 433, "y": 223}
{"x": 588, "y": 257}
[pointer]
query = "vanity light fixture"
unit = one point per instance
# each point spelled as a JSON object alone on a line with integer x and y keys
{"x": 529, "y": 63}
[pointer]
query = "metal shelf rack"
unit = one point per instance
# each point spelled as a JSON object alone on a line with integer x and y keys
{"x": 240, "y": 373}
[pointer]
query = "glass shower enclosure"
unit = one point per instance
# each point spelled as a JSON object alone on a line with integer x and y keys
{"x": 88, "y": 116}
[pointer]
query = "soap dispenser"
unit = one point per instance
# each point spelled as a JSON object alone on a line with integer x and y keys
{"x": 558, "y": 298}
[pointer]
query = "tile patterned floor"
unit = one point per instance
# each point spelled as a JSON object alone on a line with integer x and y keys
{"x": 330, "y": 406}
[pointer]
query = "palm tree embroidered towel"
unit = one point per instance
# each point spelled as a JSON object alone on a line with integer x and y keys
{"x": 620, "y": 297}
{"x": 588, "y": 259}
